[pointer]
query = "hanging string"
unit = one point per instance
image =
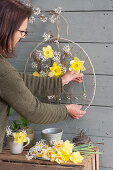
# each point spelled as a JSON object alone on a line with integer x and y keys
{"x": 58, "y": 25}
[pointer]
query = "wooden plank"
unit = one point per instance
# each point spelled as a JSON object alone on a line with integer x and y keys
{"x": 106, "y": 168}
{"x": 99, "y": 29}
{"x": 97, "y": 161}
{"x": 100, "y": 54}
{"x": 70, "y": 5}
{"x": 6, "y": 156}
{"x": 12, "y": 160}
{"x": 18, "y": 166}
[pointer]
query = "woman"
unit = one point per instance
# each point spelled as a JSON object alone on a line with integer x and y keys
{"x": 19, "y": 91}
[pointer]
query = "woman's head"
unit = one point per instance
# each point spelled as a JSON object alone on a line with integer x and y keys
{"x": 13, "y": 24}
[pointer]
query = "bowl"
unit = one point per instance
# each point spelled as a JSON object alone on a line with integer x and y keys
{"x": 51, "y": 135}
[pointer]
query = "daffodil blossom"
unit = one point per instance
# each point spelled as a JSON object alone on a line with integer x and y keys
{"x": 58, "y": 144}
{"x": 67, "y": 147}
{"x": 76, "y": 157}
{"x": 49, "y": 154}
{"x": 77, "y": 65}
{"x": 55, "y": 70}
{"x": 20, "y": 137}
{"x": 65, "y": 156}
{"x": 36, "y": 74}
{"x": 58, "y": 159}
{"x": 48, "y": 52}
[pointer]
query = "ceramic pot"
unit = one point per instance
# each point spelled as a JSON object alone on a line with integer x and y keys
{"x": 16, "y": 148}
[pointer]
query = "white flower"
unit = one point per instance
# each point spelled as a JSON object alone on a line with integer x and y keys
{"x": 28, "y": 4}
{"x": 46, "y": 36}
{"x": 57, "y": 42}
{"x": 36, "y": 11}
{"x": 43, "y": 18}
{"x": 43, "y": 74}
{"x": 63, "y": 69}
{"x": 24, "y": 131}
{"x": 29, "y": 155}
{"x": 67, "y": 49}
{"x": 8, "y": 131}
{"x": 34, "y": 65}
{"x": 52, "y": 19}
{"x": 38, "y": 53}
{"x": 58, "y": 10}
{"x": 50, "y": 97}
{"x": 57, "y": 53}
{"x": 32, "y": 19}
{"x": 57, "y": 56}
{"x": 56, "y": 59}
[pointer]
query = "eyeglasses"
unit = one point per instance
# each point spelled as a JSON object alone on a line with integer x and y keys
{"x": 23, "y": 33}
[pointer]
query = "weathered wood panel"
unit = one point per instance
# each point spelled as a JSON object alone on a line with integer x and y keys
{"x": 97, "y": 122}
{"x": 71, "y": 5}
{"x": 98, "y": 52}
{"x": 84, "y": 27}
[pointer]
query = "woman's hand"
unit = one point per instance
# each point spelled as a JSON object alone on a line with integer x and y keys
{"x": 71, "y": 76}
{"x": 74, "y": 111}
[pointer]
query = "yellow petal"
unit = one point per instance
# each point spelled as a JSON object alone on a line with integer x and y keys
{"x": 36, "y": 74}
{"x": 76, "y": 59}
{"x": 71, "y": 62}
{"x": 70, "y": 69}
{"x": 83, "y": 68}
{"x": 77, "y": 71}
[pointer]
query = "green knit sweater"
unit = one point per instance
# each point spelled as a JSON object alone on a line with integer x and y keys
{"x": 20, "y": 91}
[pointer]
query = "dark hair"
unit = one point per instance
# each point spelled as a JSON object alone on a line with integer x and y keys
{"x": 12, "y": 14}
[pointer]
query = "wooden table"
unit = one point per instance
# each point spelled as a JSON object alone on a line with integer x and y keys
{"x": 9, "y": 161}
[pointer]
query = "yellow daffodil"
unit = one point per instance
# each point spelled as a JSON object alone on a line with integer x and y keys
{"x": 48, "y": 52}
{"x": 64, "y": 155}
{"x": 49, "y": 154}
{"x": 55, "y": 70}
{"x": 67, "y": 147}
{"x": 20, "y": 137}
{"x": 36, "y": 74}
{"x": 76, "y": 65}
{"x": 76, "y": 157}
{"x": 39, "y": 154}
{"x": 58, "y": 145}
{"x": 58, "y": 159}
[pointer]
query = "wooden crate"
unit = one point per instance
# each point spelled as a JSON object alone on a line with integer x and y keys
{"x": 9, "y": 161}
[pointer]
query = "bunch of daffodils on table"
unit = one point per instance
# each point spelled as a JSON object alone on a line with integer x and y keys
{"x": 60, "y": 152}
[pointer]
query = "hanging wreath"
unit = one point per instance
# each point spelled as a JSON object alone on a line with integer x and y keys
{"x": 54, "y": 56}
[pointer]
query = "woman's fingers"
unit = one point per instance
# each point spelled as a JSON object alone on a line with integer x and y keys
{"x": 75, "y": 111}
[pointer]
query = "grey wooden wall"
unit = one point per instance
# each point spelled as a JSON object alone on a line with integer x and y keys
{"x": 91, "y": 25}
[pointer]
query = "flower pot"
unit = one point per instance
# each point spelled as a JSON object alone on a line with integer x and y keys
{"x": 16, "y": 148}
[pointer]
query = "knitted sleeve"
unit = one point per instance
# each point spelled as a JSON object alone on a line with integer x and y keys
{"x": 17, "y": 95}
{"x": 42, "y": 86}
